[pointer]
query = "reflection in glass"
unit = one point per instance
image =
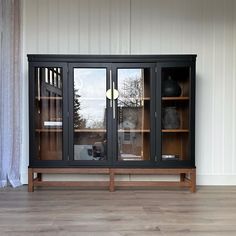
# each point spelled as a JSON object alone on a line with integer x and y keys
{"x": 89, "y": 98}
{"x": 90, "y": 146}
{"x": 133, "y": 146}
{"x": 90, "y": 114}
{"x": 48, "y": 113}
{"x": 133, "y": 114}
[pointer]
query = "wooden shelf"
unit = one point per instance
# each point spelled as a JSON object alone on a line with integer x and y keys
{"x": 174, "y": 130}
{"x": 134, "y": 130}
{"x": 175, "y": 98}
{"x": 48, "y": 98}
{"x": 97, "y": 130}
{"x": 90, "y": 130}
{"x": 138, "y": 98}
{"x": 48, "y": 130}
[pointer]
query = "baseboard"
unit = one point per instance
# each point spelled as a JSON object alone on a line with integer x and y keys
{"x": 201, "y": 179}
{"x": 216, "y": 180}
{"x": 24, "y": 177}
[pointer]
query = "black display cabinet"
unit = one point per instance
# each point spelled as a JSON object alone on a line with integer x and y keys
{"x": 112, "y": 114}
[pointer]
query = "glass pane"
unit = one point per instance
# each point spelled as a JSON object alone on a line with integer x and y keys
{"x": 134, "y": 114}
{"x": 90, "y": 114}
{"x": 48, "y": 122}
{"x": 175, "y": 113}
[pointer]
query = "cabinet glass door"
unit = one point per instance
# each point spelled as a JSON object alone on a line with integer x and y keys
{"x": 132, "y": 94}
{"x": 175, "y": 103}
{"x": 48, "y": 122}
{"x": 90, "y": 114}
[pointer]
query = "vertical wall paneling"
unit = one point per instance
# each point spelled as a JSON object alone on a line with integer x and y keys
{"x": 198, "y": 32}
{"x": 176, "y": 34}
{"x": 115, "y": 16}
{"x": 120, "y": 27}
{"x": 84, "y": 26}
{"x": 203, "y": 27}
{"x": 228, "y": 88}
{"x": 63, "y": 26}
{"x": 188, "y": 26}
{"x": 31, "y": 28}
{"x": 205, "y": 90}
{"x": 104, "y": 27}
{"x": 125, "y": 27}
{"x": 43, "y": 29}
{"x": 53, "y": 25}
{"x": 166, "y": 20}
{"x": 95, "y": 22}
{"x": 218, "y": 85}
{"x": 73, "y": 26}
{"x": 141, "y": 34}
{"x": 234, "y": 90}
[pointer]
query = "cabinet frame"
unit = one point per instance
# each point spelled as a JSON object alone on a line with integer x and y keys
{"x": 191, "y": 125}
{"x": 147, "y": 163}
{"x": 112, "y": 62}
{"x": 81, "y": 163}
{"x": 32, "y": 97}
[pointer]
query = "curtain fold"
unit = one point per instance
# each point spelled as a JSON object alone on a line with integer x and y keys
{"x": 10, "y": 93}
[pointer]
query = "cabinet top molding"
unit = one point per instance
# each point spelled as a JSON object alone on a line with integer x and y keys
{"x": 111, "y": 58}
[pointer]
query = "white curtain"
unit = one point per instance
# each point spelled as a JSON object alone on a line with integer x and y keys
{"x": 10, "y": 93}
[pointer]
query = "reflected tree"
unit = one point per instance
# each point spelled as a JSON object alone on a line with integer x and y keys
{"x": 131, "y": 92}
{"x": 79, "y": 122}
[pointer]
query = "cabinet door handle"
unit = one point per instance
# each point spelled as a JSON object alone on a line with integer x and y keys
{"x": 109, "y": 91}
{"x": 115, "y": 92}
{"x": 114, "y": 109}
{"x": 39, "y": 92}
{"x": 115, "y": 96}
{"x": 111, "y": 88}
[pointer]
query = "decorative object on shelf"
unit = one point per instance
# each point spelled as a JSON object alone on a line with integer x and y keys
{"x": 52, "y": 124}
{"x": 170, "y": 88}
{"x": 170, "y": 157}
{"x": 170, "y": 118}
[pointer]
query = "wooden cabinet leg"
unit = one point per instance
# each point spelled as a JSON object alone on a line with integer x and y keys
{"x": 112, "y": 181}
{"x": 39, "y": 176}
{"x": 182, "y": 177}
{"x": 30, "y": 180}
{"x": 193, "y": 181}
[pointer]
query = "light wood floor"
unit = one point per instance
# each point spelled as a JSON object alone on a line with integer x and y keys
{"x": 210, "y": 211}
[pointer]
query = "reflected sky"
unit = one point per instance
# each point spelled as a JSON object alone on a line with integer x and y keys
{"x": 90, "y": 82}
{"x": 131, "y": 74}
{"x": 90, "y": 85}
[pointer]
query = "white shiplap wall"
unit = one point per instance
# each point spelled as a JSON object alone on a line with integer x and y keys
{"x": 203, "y": 27}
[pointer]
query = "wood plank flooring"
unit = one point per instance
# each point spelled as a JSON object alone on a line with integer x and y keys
{"x": 210, "y": 211}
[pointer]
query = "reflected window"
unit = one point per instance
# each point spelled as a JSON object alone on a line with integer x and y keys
{"x": 90, "y": 114}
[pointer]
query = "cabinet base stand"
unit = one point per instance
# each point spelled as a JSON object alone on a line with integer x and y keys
{"x": 187, "y": 177}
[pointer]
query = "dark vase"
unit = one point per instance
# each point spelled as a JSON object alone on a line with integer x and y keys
{"x": 170, "y": 118}
{"x": 170, "y": 88}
